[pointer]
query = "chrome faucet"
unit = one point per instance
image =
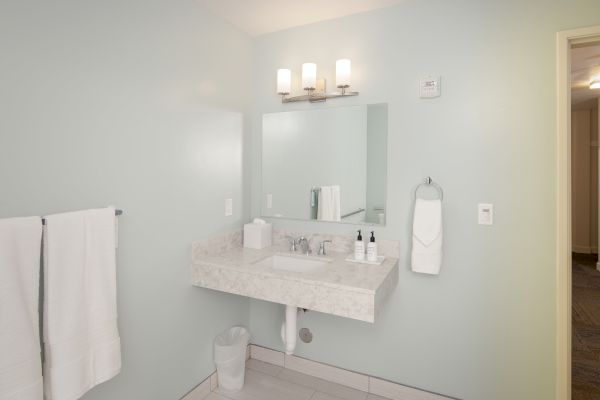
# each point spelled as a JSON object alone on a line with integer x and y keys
{"x": 322, "y": 251}
{"x": 304, "y": 245}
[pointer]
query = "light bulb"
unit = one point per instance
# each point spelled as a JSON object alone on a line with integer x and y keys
{"x": 343, "y": 70}
{"x": 284, "y": 81}
{"x": 309, "y": 76}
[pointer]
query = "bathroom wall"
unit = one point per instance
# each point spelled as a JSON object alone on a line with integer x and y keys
{"x": 594, "y": 177}
{"x": 138, "y": 104}
{"x": 580, "y": 187}
{"x": 584, "y": 169}
{"x": 484, "y": 328}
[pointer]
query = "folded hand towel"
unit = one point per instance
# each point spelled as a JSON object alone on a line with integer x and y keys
{"x": 81, "y": 340}
{"x": 329, "y": 204}
{"x": 20, "y": 361}
{"x": 427, "y": 237}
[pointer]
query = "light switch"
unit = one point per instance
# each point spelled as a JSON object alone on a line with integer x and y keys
{"x": 228, "y": 207}
{"x": 269, "y": 201}
{"x": 486, "y": 214}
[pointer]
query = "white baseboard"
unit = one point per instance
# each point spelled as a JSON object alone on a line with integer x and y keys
{"x": 207, "y": 385}
{"x": 366, "y": 383}
{"x": 585, "y": 249}
{"x": 356, "y": 380}
{"x": 582, "y": 249}
{"x": 267, "y": 355}
{"x": 201, "y": 391}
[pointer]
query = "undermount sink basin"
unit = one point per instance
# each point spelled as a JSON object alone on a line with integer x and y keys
{"x": 293, "y": 263}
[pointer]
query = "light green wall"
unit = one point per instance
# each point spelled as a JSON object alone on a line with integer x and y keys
{"x": 141, "y": 104}
{"x": 132, "y": 103}
{"x": 484, "y": 328}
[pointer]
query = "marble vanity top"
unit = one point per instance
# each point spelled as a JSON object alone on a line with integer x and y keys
{"x": 341, "y": 287}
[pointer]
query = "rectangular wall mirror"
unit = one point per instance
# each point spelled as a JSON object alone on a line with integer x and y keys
{"x": 326, "y": 164}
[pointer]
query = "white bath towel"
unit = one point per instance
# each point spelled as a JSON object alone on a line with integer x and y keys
{"x": 20, "y": 358}
{"x": 329, "y": 204}
{"x": 81, "y": 340}
{"x": 427, "y": 237}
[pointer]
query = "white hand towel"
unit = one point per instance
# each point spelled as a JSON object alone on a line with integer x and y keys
{"x": 20, "y": 360}
{"x": 81, "y": 340}
{"x": 329, "y": 204}
{"x": 427, "y": 237}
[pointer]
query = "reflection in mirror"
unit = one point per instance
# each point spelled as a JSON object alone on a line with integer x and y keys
{"x": 327, "y": 164}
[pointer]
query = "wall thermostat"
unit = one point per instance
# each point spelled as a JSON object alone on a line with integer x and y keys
{"x": 430, "y": 87}
{"x": 486, "y": 214}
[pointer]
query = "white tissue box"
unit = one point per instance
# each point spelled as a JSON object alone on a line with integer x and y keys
{"x": 257, "y": 236}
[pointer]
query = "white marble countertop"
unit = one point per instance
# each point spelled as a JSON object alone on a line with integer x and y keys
{"x": 341, "y": 288}
{"x": 365, "y": 278}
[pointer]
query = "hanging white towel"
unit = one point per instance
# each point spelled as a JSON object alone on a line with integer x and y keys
{"x": 329, "y": 204}
{"x": 20, "y": 358}
{"x": 427, "y": 237}
{"x": 81, "y": 340}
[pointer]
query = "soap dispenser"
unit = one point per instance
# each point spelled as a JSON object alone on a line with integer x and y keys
{"x": 372, "y": 249}
{"x": 359, "y": 248}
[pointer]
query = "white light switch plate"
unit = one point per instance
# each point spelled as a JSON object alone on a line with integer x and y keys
{"x": 228, "y": 207}
{"x": 486, "y": 214}
{"x": 269, "y": 201}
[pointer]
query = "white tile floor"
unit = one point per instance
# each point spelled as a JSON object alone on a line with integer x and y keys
{"x": 270, "y": 382}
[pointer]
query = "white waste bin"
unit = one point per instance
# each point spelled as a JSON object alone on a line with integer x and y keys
{"x": 230, "y": 357}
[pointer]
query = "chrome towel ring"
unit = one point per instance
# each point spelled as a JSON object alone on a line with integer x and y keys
{"x": 429, "y": 182}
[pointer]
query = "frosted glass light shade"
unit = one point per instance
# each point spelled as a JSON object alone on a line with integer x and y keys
{"x": 343, "y": 70}
{"x": 309, "y": 75}
{"x": 284, "y": 81}
{"x": 595, "y": 84}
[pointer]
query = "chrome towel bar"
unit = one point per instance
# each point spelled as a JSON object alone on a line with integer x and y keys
{"x": 117, "y": 213}
{"x": 357, "y": 211}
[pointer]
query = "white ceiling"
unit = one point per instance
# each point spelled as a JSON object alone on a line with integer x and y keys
{"x": 257, "y": 17}
{"x": 585, "y": 64}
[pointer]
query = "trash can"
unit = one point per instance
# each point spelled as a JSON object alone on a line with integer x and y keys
{"x": 230, "y": 357}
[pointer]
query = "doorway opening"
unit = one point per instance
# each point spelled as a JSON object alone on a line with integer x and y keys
{"x": 585, "y": 289}
{"x": 578, "y": 276}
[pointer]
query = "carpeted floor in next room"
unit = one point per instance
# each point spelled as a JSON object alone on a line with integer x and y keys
{"x": 586, "y": 329}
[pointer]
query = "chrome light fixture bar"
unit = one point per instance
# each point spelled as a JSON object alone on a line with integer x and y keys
{"x": 315, "y": 88}
{"x": 595, "y": 83}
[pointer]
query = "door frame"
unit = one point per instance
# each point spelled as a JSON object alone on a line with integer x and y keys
{"x": 564, "y": 40}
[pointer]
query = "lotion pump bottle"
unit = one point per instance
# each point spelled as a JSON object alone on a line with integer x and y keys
{"x": 372, "y": 248}
{"x": 359, "y": 248}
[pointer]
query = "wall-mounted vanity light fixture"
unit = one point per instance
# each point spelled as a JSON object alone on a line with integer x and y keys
{"x": 595, "y": 83}
{"x": 315, "y": 88}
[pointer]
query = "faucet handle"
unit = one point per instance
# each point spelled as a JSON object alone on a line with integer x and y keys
{"x": 322, "y": 247}
{"x": 292, "y": 240}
